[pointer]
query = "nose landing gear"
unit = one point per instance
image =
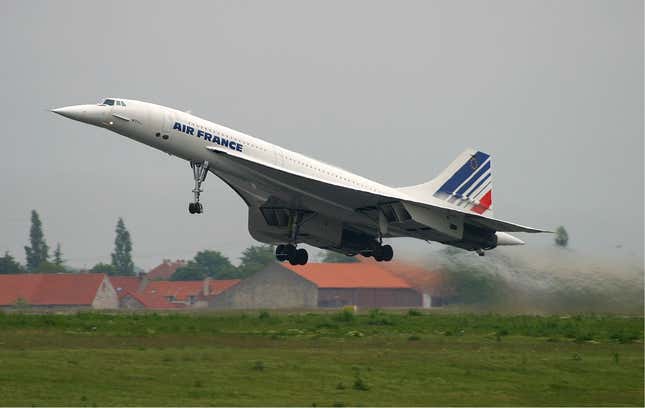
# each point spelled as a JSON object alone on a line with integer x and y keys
{"x": 200, "y": 170}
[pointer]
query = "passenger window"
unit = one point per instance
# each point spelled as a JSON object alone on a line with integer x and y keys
{"x": 108, "y": 102}
{"x": 123, "y": 104}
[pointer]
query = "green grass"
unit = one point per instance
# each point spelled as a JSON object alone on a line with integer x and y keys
{"x": 265, "y": 358}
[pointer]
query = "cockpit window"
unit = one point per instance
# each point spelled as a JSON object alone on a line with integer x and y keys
{"x": 108, "y": 102}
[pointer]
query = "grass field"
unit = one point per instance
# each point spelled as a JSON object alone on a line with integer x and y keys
{"x": 376, "y": 358}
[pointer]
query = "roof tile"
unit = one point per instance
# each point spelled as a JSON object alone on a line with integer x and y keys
{"x": 348, "y": 275}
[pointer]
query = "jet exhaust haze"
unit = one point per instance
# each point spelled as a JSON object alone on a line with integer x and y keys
{"x": 540, "y": 281}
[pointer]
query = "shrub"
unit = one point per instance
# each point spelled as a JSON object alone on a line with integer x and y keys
{"x": 414, "y": 312}
{"x": 414, "y": 337}
{"x": 360, "y": 385}
{"x": 264, "y": 315}
{"x": 346, "y": 315}
{"x": 258, "y": 366}
{"x": 378, "y": 318}
{"x": 624, "y": 337}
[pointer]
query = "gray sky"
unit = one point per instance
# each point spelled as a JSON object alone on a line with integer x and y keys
{"x": 392, "y": 91}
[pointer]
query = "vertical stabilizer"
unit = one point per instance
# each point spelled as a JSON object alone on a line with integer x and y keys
{"x": 467, "y": 183}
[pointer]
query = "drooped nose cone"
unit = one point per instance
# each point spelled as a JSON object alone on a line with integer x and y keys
{"x": 72, "y": 112}
{"x": 92, "y": 114}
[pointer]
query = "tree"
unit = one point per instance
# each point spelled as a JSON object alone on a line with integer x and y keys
{"x": 335, "y": 257}
{"x": 255, "y": 258}
{"x": 49, "y": 267}
{"x": 206, "y": 264}
{"x": 104, "y": 268}
{"x": 561, "y": 237}
{"x": 38, "y": 252}
{"x": 189, "y": 272}
{"x": 122, "y": 255}
{"x": 9, "y": 265}
{"x": 58, "y": 256}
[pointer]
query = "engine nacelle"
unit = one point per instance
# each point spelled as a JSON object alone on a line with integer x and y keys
{"x": 272, "y": 226}
{"x": 475, "y": 238}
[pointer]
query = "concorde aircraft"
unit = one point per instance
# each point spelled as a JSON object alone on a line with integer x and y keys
{"x": 294, "y": 199}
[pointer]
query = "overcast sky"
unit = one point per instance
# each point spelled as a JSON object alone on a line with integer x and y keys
{"x": 392, "y": 91}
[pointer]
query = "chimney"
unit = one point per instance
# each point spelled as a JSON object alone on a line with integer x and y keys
{"x": 207, "y": 286}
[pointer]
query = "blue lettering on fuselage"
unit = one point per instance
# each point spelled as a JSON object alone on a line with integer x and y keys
{"x": 208, "y": 137}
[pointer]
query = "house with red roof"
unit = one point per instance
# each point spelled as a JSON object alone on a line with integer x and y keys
{"x": 58, "y": 291}
{"x": 141, "y": 300}
{"x": 127, "y": 284}
{"x": 165, "y": 270}
{"x": 320, "y": 285}
{"x": 189, "y": 293}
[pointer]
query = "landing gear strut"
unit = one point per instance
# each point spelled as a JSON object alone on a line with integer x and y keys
{"x": 200, "y": 170}
{"x": 289, "y": 252}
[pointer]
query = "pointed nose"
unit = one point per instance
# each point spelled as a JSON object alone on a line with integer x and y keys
{"x": 92, "y": 114}
{"x": 72, "y": 112}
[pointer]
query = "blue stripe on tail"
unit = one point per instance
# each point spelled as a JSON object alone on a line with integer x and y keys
{"x": 482, "y": 170}
{"x": 465, "y": 171}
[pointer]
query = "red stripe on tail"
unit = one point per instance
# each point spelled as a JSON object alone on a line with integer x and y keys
{"x": 484, "y": 204}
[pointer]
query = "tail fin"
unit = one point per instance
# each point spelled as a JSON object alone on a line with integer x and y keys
{"x": 467, "y": 183}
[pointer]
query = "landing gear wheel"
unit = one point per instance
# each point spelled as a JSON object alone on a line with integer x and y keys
{"x": 299, "y": 257}
{"x": 377, "y": 253}
{"x": 383, "y": 253}
{"x": 281, "y": 253}
{"x": 387, "y": 253}
{"x": 302, "y": 256}
{"x": 195, "y": 208}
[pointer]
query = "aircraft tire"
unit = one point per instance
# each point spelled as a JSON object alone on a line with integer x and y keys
{"x": 377, "y": 253}
{"x": 191, "y": 208}
{"x": 281, "y": 253}
{"x": 302, "y": 256}
{"x": 387, "y": 253}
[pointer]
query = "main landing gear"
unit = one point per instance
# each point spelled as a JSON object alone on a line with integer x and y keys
{"x": 289, "y": 252}
{"x": 200, "y": 170}
{"x": 383, "y": 253}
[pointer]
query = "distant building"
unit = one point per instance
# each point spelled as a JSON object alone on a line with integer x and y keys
{"x": 430, "y": 282}
{"x": 319, "y": 285}
{"x": 165, "y": 270}
{"x": 274, "y": 287}
{"x": 140, "y": 300}
{"x": 189, "y": 293}
{"x": 127, "y": 284}
{"x": 58, "y": 291}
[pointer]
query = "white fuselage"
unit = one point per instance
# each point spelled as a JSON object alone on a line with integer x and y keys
{"x": 263, "y": 173}
{"x": 190, "y": 143}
